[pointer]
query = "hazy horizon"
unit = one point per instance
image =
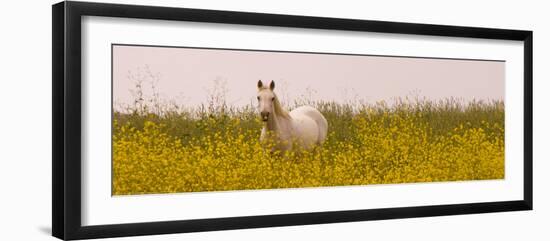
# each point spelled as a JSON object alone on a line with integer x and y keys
{"x": 186, "y": 76}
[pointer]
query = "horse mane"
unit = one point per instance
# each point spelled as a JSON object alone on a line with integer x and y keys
{"x": 279, "y": 109}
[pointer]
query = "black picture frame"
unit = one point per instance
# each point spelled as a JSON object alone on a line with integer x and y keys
{"x": 66, "y": 127}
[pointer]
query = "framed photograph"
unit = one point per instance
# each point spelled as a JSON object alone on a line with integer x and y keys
{"x": 171, "y": 120}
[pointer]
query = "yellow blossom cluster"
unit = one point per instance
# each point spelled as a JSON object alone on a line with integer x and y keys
{"x": 375, "y": 145}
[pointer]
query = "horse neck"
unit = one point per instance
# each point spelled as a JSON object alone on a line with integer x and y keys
{"x": 277, "y": 124}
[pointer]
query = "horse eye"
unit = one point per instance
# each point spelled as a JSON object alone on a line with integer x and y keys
{"x": 272, "y": 98}
{"x": 258, "y": 97}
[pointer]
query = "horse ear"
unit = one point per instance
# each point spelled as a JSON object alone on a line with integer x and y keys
{"x": 272, "y": 85}
{"x": 260, "y": 84}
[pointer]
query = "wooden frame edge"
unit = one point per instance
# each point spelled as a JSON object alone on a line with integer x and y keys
{"x": 66, "y": 54}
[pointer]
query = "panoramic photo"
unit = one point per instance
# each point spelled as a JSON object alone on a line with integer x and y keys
{"x": 187, "y": 119}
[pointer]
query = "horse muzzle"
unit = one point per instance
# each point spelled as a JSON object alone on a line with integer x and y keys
{"x": 264, "y": 115}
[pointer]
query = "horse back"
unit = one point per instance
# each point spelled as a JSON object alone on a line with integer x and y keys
{"x": 316, "y": 117}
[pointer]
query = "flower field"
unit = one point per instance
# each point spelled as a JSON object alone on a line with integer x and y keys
{"x": 218, "y": 149}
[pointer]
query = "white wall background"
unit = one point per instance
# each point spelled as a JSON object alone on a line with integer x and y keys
{"x": 25, "y": 119}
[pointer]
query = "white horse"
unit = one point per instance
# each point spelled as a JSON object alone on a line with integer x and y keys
{"x": 304, "y": 126}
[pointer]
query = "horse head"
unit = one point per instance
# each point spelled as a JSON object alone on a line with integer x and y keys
{"x": 266, "y": 98}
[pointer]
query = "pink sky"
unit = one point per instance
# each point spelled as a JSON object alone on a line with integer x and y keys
{"x": 185, "y": 75}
